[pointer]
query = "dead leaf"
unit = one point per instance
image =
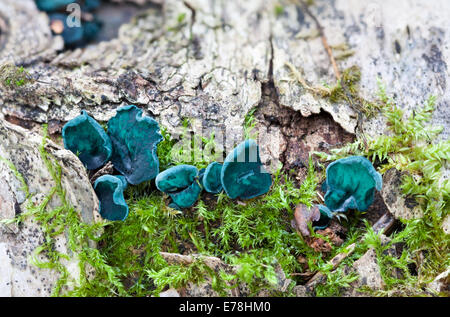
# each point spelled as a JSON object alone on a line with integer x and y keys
{"x": 304, "y": 215}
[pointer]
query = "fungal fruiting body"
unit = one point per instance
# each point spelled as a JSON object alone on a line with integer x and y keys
{"x": 351, "y": 183}
{"x": 181, "y": 184}
{"x": 52, "y": 5}
{"x": 325, "y": 217}
{"x": 211, "y": 178}
{"x": 134, "y": 138}
{"x": 109, "y": 190}
{"x": 243, "y": 175}
{"x": 86, "y": 138}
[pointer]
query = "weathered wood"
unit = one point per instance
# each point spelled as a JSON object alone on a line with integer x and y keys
{"x": 211, "y": 66}
{"x": 21, "y": 161}
{"x": 211, "y": 60}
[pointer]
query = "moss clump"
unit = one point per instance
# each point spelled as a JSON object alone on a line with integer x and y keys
{"x": 278, "y": 10}
{"x": 347, "y": 89}
{"x": 13, "y": 76}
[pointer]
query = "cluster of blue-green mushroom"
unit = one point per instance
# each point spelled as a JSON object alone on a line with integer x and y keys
{"x": 76, "y": 34}
{"x": 350, "y": 184}
{"x": 242, "y": 175}
{"x": 130, "y": 144}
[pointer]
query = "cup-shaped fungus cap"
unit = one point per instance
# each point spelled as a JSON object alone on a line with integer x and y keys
{"x": 351, "y": 183}
{"x": 134, "y": 138}
{"x": 86, "y": 138}
{"x": 243, "y": 174}
{"x": 201, "y": 173}
{"x": 109, "y": 190}
{"x": 52, "y": 5}
{"x": 324, "y": 219}
{"x": 72, "y": 36}
{"x": 89, "y": 5}
{"x": 181, "y": 184}
{"x": 211, "y": 179}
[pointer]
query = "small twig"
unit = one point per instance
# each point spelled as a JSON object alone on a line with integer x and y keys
{"x": 324, "y": 40}
{"x": 317, "y": 278}
{"x": 323, "y": 91}
{"x": 321, "y": 197}
{"x": 383, "y": 225}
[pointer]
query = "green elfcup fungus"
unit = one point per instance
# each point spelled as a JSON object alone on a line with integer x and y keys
{"x": 211, "y": 179}
{"x": 181, "y": 184}
{"x": 135, "y": 139}
{"x": 86, "y": 138}
{"x": 52, "y": 5}
{"x": 73, "y": 36}
{"x": 351, "y": 184}
{"x": 243, "y": 175}
{"x": 325, "y": 218}
{"x": 109, "y": 190}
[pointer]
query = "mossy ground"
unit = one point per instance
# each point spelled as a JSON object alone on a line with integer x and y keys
{"x": 257, "y": 235}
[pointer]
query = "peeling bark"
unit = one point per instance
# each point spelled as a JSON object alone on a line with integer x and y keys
{"x": 20, "y": 154}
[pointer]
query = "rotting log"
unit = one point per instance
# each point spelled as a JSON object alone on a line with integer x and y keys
{"x": 214, "y": 65}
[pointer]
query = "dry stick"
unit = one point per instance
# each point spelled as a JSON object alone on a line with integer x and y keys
{"x": 318, "y": 277}
{"x": 323, "y": 91}
{"x": 324, "y": 39}
{"x": 333, "y": 63}
{"x": 212, "y": 262}
{"x": 383, "y": 225}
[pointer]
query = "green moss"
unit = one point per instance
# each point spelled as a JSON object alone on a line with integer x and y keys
{"x": 410, "y": 147}
{"x": 17, "y": 174}
{"x": 347, "y": 89}
{"x": 220, "y": 228}
{"x": 278, "y": 10}
{"x": 250, "y": 124}
{"x": 14, "y": 76}
{"x": 181, "y": 18}
{"x": 188, "y": 148}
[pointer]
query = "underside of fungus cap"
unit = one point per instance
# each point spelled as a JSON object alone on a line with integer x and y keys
{"x": 243, "y": 175}
{"x": 211, "y": 178}
{"x": 325, "y": 218}
{"x": 87, "y": 139}
{"x": 351, "y": 183}
{"x": 188, "y": 196}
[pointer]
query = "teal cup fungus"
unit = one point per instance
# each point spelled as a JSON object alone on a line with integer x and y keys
{"x": 109, "y": 190}
{"x": 60, "y": 5}
{"x": 75, "y": 36}
{"x": 134, "y": 138}
{"x": 243, "y": 175}
{"x": 75, "y": 33}
{"x": 211, "y": 178}
{"x": 86, "y": 138}
{"x": 181, "y": 184}
{"x": 351, "y": 183}
{"x": 52, "y": 5}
